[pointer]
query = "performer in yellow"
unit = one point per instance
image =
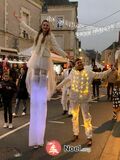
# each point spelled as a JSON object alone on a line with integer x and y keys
{"x": 80, "y": 95}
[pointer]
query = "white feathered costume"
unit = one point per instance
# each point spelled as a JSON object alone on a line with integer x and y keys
{"x": 41, "y": 87}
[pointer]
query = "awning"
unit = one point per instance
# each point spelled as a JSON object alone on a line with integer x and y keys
{"x": 8, "y": 51}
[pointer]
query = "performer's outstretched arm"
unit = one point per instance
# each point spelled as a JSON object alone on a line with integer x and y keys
{"x": 64, "y": 82}
{"x": 100, "y": 75}
{"x": 56, "y": 47}
{"x": 28, "y": 29}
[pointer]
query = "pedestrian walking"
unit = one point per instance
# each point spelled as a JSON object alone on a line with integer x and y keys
{"x": 22, "y": 94}
{"x": 7, "y": 90}
{"x": 80, "y": 80}
{"x": 111, "y": 78}
{"x": 96, "y": 84}
{"x": 66, "y": 88}
{"x": 40, "y": 79}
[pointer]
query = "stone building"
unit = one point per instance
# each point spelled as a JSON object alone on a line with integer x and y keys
{"x": 63, "y": 17}
{"x": 108, "y": 55}
{"x": 11, "y": 34}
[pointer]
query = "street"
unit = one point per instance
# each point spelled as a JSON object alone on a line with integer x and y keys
{"x": 59, "y": 128}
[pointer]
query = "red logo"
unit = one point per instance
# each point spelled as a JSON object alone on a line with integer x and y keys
{"x": 53, "y": 148}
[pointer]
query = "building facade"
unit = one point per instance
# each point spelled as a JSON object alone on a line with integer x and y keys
{"x": 63, "y": 17}
{"x": 108, "y": 55}
{"x": 85, "y": 58}
{"x": 11, "y": 33}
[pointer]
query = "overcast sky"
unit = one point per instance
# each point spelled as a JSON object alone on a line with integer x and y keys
{"x": 89, "y": 12}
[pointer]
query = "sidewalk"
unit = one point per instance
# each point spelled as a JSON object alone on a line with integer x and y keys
{"x": 112, "y": 147}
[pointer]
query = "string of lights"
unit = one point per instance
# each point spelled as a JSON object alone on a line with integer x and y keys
{"x": 66, "y": 22}
{"x": 87, "y": 30}
{"x": 98, "y": 30}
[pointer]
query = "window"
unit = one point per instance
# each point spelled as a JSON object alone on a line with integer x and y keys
{"x": 59, "y": 22}
{"x": 25, "y": 34}
{"x": 25, "y": 14}
{"x": 25, "y": 18}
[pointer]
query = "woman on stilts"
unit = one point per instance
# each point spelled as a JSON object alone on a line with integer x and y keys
{"x": 40, "y": 79}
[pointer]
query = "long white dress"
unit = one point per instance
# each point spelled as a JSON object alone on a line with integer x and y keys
{"x": 38, "y": 111}
{"x": 40, "y": 87}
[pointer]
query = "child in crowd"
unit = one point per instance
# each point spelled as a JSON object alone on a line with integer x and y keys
{"x": 7, "y": 90}
{"x": 116, "y": 99}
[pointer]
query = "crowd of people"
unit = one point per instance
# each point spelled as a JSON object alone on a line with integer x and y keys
{"x": 12, "y": 86}
{"x": 76, "y": 93}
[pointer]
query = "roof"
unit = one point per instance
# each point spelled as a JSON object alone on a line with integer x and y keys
{"x": 114, "y": 44}
{"x": 8, "y": 51}
{"x": 91, "y": 53}
{"x": 57, "y": 2}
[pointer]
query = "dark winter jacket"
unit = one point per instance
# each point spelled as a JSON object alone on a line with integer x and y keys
{"x": 7, "y": 90}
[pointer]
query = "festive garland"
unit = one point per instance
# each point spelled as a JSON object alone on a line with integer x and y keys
{"x": 83, "y": 30}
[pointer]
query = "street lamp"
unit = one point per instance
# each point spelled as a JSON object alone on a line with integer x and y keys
{"x": 80, "y": 49}
{"x": 81, "y": 57}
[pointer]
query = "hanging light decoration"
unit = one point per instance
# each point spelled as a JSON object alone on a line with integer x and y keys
{"x": 88, "y": 31}
{"x": 84, "y": 30}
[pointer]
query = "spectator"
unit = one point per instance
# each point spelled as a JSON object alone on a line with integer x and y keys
{"x": 14, "y": 72}
{"x": 7, "y": 90}
{"x": 96, "y": 83}
{"x": 111, "y": 78}
{"x": 66, "y": 88}
{"x": 22, "y": 93}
